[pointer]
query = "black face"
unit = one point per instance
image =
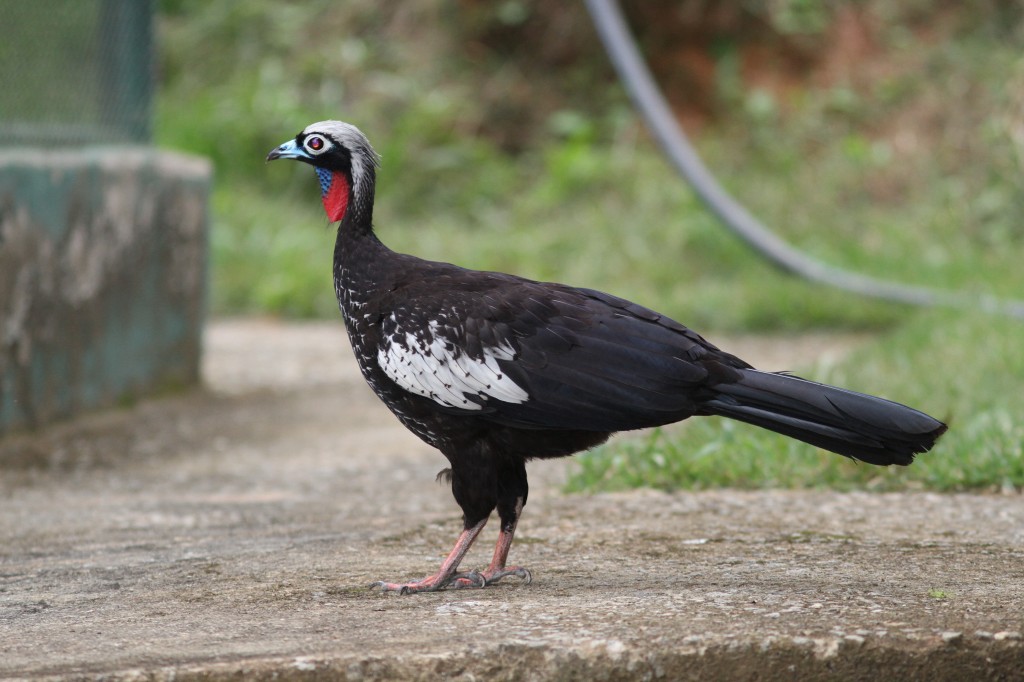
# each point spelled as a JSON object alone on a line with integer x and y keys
{"x": 316, "y": 149}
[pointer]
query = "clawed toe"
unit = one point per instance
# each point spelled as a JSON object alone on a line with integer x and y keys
{"x": 520, "y": 572}
{"x": 457, "y": 581}
{"x": 469, "y": 579}
{"x": 434, "y": 583}
{"x": 430, "y": 584}
{"x": 523, "y": 574}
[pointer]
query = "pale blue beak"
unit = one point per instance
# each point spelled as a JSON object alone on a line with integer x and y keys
{"x": 288, "y": 150}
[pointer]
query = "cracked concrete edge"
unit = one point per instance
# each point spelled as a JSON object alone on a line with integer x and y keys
{"x": 949, "y": 656}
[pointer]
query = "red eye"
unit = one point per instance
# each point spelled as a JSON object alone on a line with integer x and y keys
{"x": 314, "y": 143}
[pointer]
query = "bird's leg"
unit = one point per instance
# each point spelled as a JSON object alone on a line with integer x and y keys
{"x": 497, "y": 569}
{"x": 446, "y": 576}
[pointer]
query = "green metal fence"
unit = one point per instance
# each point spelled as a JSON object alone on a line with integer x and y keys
{"x": 75, "y": 71}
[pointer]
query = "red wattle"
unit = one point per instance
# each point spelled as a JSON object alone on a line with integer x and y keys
{"x": 336, "y": 199}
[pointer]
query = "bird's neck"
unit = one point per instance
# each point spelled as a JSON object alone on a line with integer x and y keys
{"x": 360, "y": 261}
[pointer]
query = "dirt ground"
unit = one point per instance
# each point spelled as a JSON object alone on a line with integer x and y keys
{"x": 231, "y": 533}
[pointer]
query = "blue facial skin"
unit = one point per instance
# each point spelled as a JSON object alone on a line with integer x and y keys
{"x": 325, "y": 180}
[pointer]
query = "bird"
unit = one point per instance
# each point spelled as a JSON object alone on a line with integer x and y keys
{"x": 494, "y": 370}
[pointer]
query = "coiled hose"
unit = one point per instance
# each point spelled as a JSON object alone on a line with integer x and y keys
{"x": 647, "y": 98}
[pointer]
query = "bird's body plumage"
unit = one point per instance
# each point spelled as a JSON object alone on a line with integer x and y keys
{"x": 493, "y": 369}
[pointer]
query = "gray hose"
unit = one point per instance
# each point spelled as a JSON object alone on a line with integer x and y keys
{"x": 647, "y": 98}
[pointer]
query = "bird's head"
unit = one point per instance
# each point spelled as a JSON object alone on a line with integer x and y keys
{"x": 344, "y": 162}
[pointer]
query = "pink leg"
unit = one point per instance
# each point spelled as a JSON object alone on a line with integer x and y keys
{"x": 497, "y": 569}
{"x": 446, "y": 576}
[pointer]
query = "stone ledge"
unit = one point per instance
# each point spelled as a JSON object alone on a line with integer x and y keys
{"x": 773, "y": 659}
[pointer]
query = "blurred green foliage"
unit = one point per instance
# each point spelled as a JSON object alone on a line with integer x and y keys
{"x": 872, "y": 175}
{"x": 508, "y": 145}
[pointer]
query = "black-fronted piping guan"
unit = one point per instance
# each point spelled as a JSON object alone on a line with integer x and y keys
{"x": 494, "y": 370}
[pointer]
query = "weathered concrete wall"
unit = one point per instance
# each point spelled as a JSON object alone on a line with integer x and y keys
{"x": 102, "y": 278}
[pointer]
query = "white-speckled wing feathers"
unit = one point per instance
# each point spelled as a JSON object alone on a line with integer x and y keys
{"x": 429, "y": 361}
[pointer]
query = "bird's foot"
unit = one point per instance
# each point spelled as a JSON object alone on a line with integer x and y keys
{"x": 492, "y": 576}
{"x": 433, "y": 583}
{"x": 456, "y": 581}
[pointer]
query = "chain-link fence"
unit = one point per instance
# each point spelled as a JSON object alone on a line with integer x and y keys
{"x": 75, "y": 71}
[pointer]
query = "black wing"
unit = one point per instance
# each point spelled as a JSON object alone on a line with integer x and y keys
{"x": 583, "y": 359}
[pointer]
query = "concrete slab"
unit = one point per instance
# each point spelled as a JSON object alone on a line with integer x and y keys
{"x": 231, "y": 533}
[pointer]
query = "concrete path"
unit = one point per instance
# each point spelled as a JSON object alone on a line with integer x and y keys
{"x": 231, "y": 533}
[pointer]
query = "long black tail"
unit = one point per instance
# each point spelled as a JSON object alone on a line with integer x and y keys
{"x": 856, "y": 425}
